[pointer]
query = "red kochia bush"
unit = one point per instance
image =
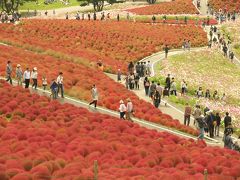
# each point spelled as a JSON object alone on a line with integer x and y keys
{"x": 58, "y": 149}
{"x": 172, "y": 7}
{"x": 229, "y": 5}
{"x": 41, "y": 110}
{"x": 123, "y": 42}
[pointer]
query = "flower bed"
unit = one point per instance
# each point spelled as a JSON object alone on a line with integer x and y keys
{"x": 115, "y": 43}
{"x": 172, "y": 20}
{"x": 78, "y": 80}
{"x": 174, "y": 7}
{"x": 212, "y": 71}
{"x": 42, "y": 139}
{"x": 229, "y": 5}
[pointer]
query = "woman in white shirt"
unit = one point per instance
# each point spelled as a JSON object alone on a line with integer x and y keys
{"x": 26, "y": 77}
{"x": 122, "y": 109}
{"x": 34, "y": 75}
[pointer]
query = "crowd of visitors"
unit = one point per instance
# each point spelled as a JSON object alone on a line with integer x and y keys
{"x": 209, "y": 122}
{"x": 6, "y": 18}
{"x": 56, "y": 86}
{"x": 223, "y": 15}
{"x": 221, "y": 42}
{"x": 206, "y": 120}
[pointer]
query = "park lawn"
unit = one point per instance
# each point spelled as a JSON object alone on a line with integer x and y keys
{"x": 31, "y": 5}
{"x": 204, "y": 68}
{"x": 209, "y": 70}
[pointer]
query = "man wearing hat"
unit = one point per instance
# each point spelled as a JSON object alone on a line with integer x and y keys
{"x": 9, "y": 72}
{"x": 129, "y": 109}
{"x": 19, "y": 75}
{"x": 34, "y": 75}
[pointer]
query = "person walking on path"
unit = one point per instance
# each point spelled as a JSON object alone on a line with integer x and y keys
{"x": 166, "y": 49}
{"x": 168, "y": 82}
{"x": 218, "y": 123}
{"x": 201, "y": 125}
{"x": 136, "y": 79}
{"x": 131, "y": 68}
{"x": 54, "y": 89}
{"x": 19, "y": 75}
{"x": 173, "y": 87}
{"x": 160, "y": 91}
{"x": 9, "y": 72}
{"x": 146, "y": 85}
{"x": 34, "y": 75}
{"x": 165, "y": 94}
{"x": 44, "y": 82}
{"x": 156, "y": 98}
{"x": 210, "y": 120}
{"x": 152, "y": 89}
{"x": 119, "y": 75}
{"x": 122, "y": 109}
{"x": 227, "y": 120}
{"x": 129, "y": 111}
{"x": 127, "y": 81}
{"x": 149, "y": 68}
{"x": 196, "y": 113}
{"x": 187, "y": 114}
{"x": 94, "y": 93}
{"x": 26, "y": 77}
{"x": 60, "y": 84}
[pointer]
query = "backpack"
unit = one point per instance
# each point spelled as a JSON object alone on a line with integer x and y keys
{"x": 147, "y": 83}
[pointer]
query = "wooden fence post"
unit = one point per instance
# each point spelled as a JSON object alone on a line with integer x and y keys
{"x": 205, "y": 174}
{"x": 95, "y": 170}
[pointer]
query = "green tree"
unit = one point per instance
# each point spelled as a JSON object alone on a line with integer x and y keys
{"x": 151, "y": 1}
{"x": 98, "y": 5}
{"x": 9, "y": 6}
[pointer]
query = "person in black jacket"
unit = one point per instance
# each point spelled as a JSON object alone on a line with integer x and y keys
{"x": 166, "y": 49}
{"x": 156, "y": 98}
{"x": 168, "y": 81}
{"x": 227, "y": 120}
{"x": 130, "y": 67}
{"x": 218, "y": 122}
{"x": 210, "y": 120}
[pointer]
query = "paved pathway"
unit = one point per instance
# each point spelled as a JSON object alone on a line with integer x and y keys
{"x": 147, "y": 124}
{"x": 170, "y": 109}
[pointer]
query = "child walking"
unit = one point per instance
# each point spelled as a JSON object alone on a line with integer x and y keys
{"x": 44, "y": 82}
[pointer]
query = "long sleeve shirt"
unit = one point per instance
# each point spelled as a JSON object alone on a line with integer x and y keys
{"x": 129, "y": 107}
{"x": 122, "y": 108}
{"x": 26, "y": 75}
{"x": 9, "y": 69}
{"x": 34, "y": 75}
{"x": 60, "y": 79}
